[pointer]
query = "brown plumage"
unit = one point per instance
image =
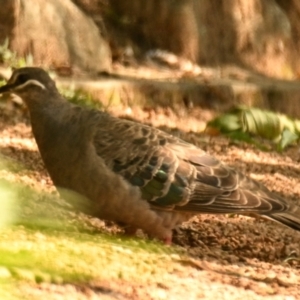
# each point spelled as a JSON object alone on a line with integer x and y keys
{"x": 132, "y": 173}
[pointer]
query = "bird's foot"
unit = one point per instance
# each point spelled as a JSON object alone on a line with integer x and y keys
{"x": 167, "y": 240}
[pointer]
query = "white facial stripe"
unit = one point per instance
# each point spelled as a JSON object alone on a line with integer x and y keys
{"x": 31, "y": 81}
{"x": 13, "y": 78}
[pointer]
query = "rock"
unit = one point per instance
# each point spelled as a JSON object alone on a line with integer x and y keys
{"x": 56, "y": 33}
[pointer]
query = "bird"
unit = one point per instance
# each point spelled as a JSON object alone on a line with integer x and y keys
{"x": 132, "y": 173}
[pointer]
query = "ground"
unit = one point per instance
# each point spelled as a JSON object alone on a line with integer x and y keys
{"x": 51, "y": 251}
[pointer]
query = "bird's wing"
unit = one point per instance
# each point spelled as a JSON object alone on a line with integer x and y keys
{"x": 221, "y": 189}
{"x": 173, "y": 174}
{"x": 139, "y": 154}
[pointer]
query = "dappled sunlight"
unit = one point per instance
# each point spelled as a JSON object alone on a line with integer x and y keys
{"x": 173, "y": 65}
{"x": 55, "y": 246}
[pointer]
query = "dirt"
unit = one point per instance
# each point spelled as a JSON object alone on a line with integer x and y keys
{"x": 226, "y": 256}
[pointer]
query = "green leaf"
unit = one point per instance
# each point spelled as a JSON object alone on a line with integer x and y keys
{"x": 265, "y": 124}
{"x": 226, "y": 123}
{"x": 245, "y": 137}
{"x": 287, "y": 138}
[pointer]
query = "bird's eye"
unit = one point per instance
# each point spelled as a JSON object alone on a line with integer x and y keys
{"x": 21, "y": 78}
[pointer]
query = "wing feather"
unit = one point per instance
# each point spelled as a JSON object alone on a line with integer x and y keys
{"x": 173, "y": 174}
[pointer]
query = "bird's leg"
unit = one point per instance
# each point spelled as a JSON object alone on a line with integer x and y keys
{"x": 167, "y": 240}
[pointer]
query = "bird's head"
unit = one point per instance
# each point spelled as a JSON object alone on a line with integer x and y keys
{"x": 27, "y": 81}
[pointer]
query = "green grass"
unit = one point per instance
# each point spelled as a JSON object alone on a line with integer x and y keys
{"x": 50, "y": 244}
{"x": 38, "y": 255}
{"x": 81, "y": 97}
{"x": 11, "y": 59}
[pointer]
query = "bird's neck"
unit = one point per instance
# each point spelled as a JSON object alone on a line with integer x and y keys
{"x": 47, "y": 116}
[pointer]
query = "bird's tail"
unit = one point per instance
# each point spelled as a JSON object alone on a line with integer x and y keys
{"x": 290, "y": 217}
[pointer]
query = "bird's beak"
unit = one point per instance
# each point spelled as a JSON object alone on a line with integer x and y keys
{"x": 6, "y": 88}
